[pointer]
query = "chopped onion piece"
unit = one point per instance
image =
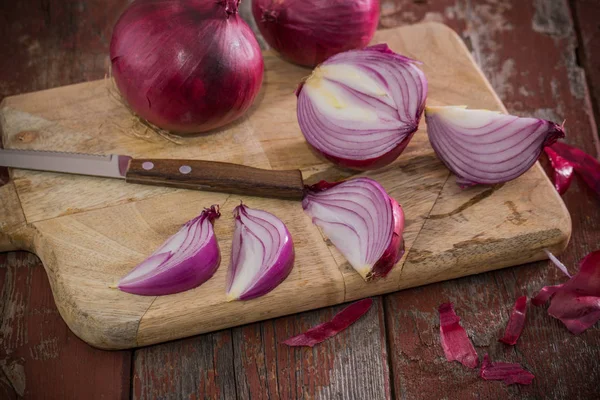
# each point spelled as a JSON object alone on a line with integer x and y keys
{"x": 186, "y": 260}
{"x": 557, "y": 262}
{"x": 516, "y": 322}
{"x": 360, "y": 108}
{"x": 507, "y": 372}
{"x": 576, "y": 302}
{"x": 487, "y": 147}
{"x": 563, "y": 170}
{"x": 262, "y": 254}
{"x": 455, "y": 342}
{"x": 585, "y": 165}
{"x": 362, "y": 221}
{"x": 338, "y": 323}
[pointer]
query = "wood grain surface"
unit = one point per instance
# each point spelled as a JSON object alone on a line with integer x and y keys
{"x": 89, "y": 232}
{"x": 56, "y": 43}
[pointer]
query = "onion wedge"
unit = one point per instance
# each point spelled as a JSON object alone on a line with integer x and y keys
{"x": 362, "y": 221}
{"x": 186, "y": 260}
{"x": 262, "y": 254}
{"x": 360, "y": 108}
{"x": 487, "y": 147}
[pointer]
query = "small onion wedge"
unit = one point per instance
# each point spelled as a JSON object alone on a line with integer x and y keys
{"x": 487, "y": 147}
{"x": 360, "y": 108}
{"x": 186, "y": 260}
{"x": 362, "y": 221}
{"x": 262, "y": 254}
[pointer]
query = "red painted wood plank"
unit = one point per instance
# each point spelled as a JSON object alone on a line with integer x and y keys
{"x": 528, "y": 51}
{"x": 195, "y": 368}
{"x": 587, "y": 14}
{"x": 39, "y": 356}
{"x": 351, "y": 365}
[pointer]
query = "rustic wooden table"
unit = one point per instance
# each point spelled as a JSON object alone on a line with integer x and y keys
{"x": 543, "y": 59}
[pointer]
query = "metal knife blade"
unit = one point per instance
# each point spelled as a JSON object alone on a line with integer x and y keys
{"x": 110, "y": 166}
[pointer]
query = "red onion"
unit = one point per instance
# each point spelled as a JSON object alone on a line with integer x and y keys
{"x": 362, "y": 221}
{"x": 338, "y": 323}
{"x": 486, "y": 147}
{"x": 360, "y": 108}
{"x": 186, "y": 260}
{"x": 186, "y": 65}
{"x": 262, "y": 254}
{"x": 307, "y": 32}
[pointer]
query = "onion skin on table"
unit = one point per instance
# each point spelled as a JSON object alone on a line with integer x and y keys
{"x": 262, "y": 254}
{"x": 359, "y": 109}
{"x": 361, "y": 220}
{"x": 307, "y": 32}
{"x": 184, "y": 261}
{"x": 186, "y": 66}
{"x": 487, "y": 147}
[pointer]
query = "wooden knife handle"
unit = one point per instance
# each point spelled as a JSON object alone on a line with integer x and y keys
{"x": 217, "y": 177}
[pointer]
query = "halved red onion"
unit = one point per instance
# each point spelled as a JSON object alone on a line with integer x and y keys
{"x": 362, "y": 221}
{"x": 487, "y": 147}
{"x": 186, "y": 260}
{"x": 360, "y": 108}
{"x": 262, "y": 254}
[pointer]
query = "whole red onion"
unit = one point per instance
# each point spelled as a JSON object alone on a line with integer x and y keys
{"x": 307, "y": 32}
{"x": 186, "y": 65}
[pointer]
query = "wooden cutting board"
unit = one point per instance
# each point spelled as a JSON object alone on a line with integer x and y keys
{"x": 89, "y": 232}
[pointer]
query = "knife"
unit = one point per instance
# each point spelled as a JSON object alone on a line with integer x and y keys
{"x": 187, "y": 174}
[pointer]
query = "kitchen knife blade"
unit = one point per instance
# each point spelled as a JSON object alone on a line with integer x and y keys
{"x": 187, "y": 174}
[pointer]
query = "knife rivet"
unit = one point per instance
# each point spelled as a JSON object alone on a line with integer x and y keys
{"x": 185, "y": 169}
{"x": 148, "y": 165}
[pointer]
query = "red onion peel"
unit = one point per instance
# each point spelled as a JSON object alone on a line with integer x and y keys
{"x": 185, "y": 261}
{"x": 487, "y": 147}
{"x": 361, "y": 220}
{"x": 338, "y": 323}
{"x": 576, "y": 302}
{"x": 307, "y": 32}
{"x": 584, "y": 164}
{"x": 455, "y": 342}
{"x": 262, "y": 254}
{"x": 516, "y": 322}
{"x": 509, "y": 373}
{"x": 359, "y": 109}
{"x": 563, "y": 170}
{"x": 186, "y": 65}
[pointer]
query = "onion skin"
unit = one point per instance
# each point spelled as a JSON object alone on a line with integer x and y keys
{"x": 307, "y": 32}
{"x": 201, "y": 262}
{"x": 383, "y": 203}
{"x": 486, "y": 147}
{"x": 360, "y": 109}
{"x": 271, "y": 271}
{"x": 186, "y": 66}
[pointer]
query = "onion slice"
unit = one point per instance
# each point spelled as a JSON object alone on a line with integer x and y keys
{"x": 455, "y": 342}
{"x": 516, "y": 322}
{"x": 360, "y": 108}
{"x": 509, "y": 373}
{"x": 576, "y": 302}
{"x": 487, "y": 147}
{"x": 186, "y": 260}
{"x": 362, "y": 221}
{"x": 262, "y": 254}
{"x": 338, "y": 323}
